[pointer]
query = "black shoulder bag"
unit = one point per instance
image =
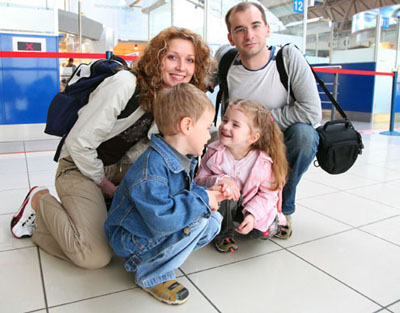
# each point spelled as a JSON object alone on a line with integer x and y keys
{"x": 339, "y": 143}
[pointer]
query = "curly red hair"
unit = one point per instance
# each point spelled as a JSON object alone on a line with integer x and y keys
{"x": 148, "y": 69}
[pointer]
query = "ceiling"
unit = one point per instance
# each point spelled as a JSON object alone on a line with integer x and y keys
{"x": 343, "y": 10}
{"x": 335, "y": 10}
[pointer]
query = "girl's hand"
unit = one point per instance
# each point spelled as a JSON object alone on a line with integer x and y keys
{"x": 230, "y": 188}
{"x": 247, "y": 225}
{"x": 215, "y": 195}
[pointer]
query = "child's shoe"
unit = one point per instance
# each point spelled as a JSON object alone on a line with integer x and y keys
{"x": 23, "y": 223}
{"x": 170, "y": 292}
{"x": 225, "y": 245}
{"x": 284, "y": 232}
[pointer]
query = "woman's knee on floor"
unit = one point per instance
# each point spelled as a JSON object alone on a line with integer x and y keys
{"x": 92, "y": 258}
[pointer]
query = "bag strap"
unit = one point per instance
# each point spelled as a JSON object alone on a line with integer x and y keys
{"x": 329, "y": 95}
{"x": 284, "y": 80}
{"x": 223, "y": 68}
{"x": 59, "y": 147}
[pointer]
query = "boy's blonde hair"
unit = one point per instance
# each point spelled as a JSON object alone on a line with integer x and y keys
{"x": 175, "y": 103}
{"x": 271, "y": 137}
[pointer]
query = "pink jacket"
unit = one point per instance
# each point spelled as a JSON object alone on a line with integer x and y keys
{"x": 258, "y": 198}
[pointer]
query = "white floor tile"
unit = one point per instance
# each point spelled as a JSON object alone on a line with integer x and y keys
{"x": 307, "y": 188}
{"x": 387, "y": 229}
{"x": 42, "y": 178}
{"x": 11, "y": 164}
{"x": 16, "y": 180}
{"x": 349, "y": 208}
{"x": 362, "y": 261}
{"x": 375, "y": 172}
{"x": 7, "y": 240}
{"x": 343, "y": 181}
{"x": 42, "y": 145}
{"x": 278, "y": 282}
{"x": 209, "y": 257}
{"x": 348, "y": 269}
{"x": 11, "y": 200}
{"x": 309, "y": 225}
{"x": 41, "y": 161}
{"x": 66, "y": 283}
{"x": 395, "y": 308}
{"x": 385, "y": 193}
{"x": 11, "y": 147}
{"x": 136, "y": 300}
{"x": 21, "y": 285}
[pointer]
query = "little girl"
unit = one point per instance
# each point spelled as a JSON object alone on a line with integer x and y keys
{"x": 249, "y": 162}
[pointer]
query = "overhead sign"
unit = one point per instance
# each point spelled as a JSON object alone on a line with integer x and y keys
{"x": 385, "y": 23}
{"x": 298, "y": 6}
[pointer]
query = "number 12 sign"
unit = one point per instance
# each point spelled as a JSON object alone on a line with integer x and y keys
{"x": 298, "y": 6}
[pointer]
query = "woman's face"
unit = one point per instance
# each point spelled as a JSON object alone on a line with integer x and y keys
{"x": 179, "y": 62}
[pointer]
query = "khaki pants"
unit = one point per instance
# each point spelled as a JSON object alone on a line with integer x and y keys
{"x": 74, "y": 229}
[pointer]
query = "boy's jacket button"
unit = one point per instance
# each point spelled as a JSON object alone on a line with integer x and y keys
{"x": 186, "y": 230}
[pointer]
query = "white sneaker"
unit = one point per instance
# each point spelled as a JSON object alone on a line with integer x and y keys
{"x": 23, "y": 222}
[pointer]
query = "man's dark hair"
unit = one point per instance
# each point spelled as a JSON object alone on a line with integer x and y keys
{"x": 241, "y": 7}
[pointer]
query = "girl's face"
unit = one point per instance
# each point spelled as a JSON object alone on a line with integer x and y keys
{"x": 179, "y": 62}
{"x": 235, "y": 132}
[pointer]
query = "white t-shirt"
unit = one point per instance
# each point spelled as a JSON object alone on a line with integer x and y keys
{"x": 263, "y": 85}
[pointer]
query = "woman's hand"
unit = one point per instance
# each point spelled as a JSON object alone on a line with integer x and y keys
{"x": 107, "y": 188}
{"x": 229, "y": 188}
{"x": 247, "y": 225}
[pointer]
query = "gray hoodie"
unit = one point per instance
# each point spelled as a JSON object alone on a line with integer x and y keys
{"x": 307, "y": 107}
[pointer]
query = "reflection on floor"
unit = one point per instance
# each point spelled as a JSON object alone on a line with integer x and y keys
{"x": 344, "y": 254}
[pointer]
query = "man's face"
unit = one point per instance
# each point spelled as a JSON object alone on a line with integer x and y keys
{"x": 248, "y": 31}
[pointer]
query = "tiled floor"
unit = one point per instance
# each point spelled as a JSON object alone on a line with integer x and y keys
{"x": 344, "y": 255}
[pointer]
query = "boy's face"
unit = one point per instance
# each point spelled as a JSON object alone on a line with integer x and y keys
{"x": 200, "y": 133}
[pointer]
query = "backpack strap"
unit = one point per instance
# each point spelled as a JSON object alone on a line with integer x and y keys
{"x": 132, "y": 105}
{"x": 223, "y": 93}
{"x": 282, "y": 71}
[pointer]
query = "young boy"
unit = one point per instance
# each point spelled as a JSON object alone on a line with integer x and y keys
{"x": 159, "y": 215}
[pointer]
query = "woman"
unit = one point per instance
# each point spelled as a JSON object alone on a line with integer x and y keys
{"x": 93, "y": 158}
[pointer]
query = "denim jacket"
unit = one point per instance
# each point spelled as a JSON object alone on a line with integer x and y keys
{"x": 155, "y": 205}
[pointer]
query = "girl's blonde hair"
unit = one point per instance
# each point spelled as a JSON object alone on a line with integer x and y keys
{"x": 149, "y": 68}
{"x": 271, "y": 137}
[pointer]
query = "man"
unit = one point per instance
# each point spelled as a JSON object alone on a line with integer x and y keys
{"x": 254, "y": 75}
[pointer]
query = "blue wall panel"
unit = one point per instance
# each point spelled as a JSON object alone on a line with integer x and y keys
{"x": 397, "y": 100}
{"x": 355, "y": 92}
{"x": 27, "y": 85}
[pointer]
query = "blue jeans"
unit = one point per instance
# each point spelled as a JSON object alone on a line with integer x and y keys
{"x": 301, "y": 142}
{"x": 161, "y": 268}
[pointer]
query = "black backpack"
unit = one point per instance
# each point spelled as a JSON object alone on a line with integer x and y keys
{"x": 339, "y": 142}
{"x": 63, "y": 110}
